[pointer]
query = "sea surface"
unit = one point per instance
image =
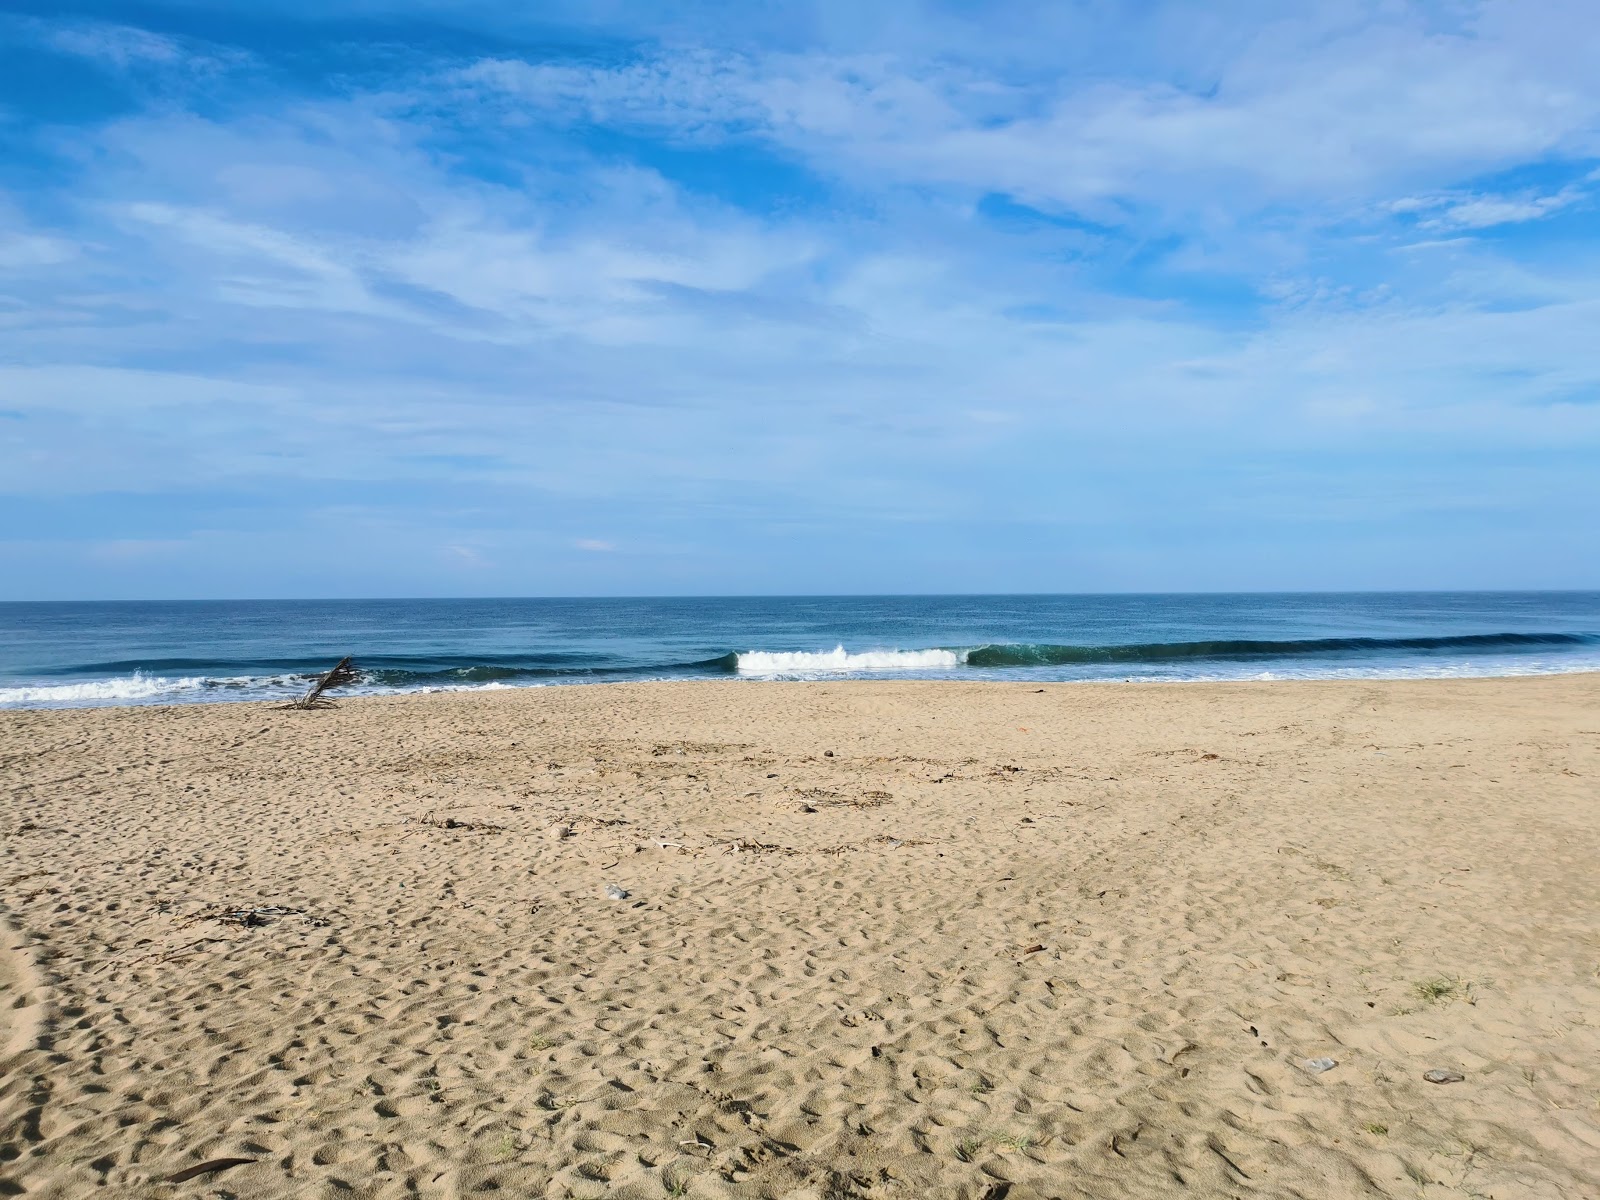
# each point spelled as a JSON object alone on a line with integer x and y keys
{"x": 81, "y": 654}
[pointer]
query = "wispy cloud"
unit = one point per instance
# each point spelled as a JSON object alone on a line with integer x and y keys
{"x": 1484, "y": 210}
{"x": 119, "y": 45}
{"x": 1299, "y": 112}
{"x": 127, "y": 47}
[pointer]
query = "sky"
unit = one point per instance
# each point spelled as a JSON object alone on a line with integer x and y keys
{"x": 371, "y": 298}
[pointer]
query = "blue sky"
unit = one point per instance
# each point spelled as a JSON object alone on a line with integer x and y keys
{"x": 371, "y": 298}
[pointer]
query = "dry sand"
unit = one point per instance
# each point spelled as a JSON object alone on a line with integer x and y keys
{"x": 1071, "y": 942}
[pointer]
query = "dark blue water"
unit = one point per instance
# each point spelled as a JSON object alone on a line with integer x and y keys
{"x": 149, "y": 652}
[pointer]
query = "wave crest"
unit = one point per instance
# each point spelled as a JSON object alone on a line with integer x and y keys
{"x": 789, "y": 662}
{"x": 1044, "y": 654}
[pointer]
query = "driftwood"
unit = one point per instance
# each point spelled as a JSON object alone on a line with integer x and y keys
{"x": 343, "y": 673}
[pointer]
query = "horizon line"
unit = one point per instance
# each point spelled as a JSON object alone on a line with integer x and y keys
{"x": 818, "y": 596}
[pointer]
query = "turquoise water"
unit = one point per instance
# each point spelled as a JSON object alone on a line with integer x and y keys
{"x": 75, "y": 654}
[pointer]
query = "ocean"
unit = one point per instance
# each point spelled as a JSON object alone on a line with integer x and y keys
{"x": 114, "y": 653}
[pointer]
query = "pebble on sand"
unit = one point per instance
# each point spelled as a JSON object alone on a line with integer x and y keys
{"x": 1318, "y": 1065}
{"x": 613, "y": 892}
{"x": 1439, "y": 1075}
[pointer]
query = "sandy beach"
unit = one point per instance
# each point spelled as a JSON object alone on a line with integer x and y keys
{"x": 878, "y": 939}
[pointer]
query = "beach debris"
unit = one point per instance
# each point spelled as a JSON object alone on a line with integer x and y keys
{"x": 210, "y": 1166}
{"x": 595, "y": 822}
{"x": 867, "y": 799}
{"x": 343, "y": 674}
{"x": 1443, "y": 1075}
{"x": 434, "y": 820}
{"x": 750, "y": 846}
{"x": 662, "y": 844}
{"x": 1317, "y": 1066}
{"x": 559, "y": 833}
{"x": 249, "y": 917}
{"x": 755, "y": 847}
{"x": 613, "y": 892}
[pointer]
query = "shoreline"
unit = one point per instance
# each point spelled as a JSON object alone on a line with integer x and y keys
{"x": 880, "y": 939}
{"x": 818, "y": 680}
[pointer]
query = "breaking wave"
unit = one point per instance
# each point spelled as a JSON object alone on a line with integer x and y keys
{"x": 125, "y": 690}
{"x": 778, "y": 662}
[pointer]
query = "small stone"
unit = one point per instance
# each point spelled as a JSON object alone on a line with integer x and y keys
{"x": 1318, "y": 1065}
{"x": 1439, "y": 1075}
{"x": 827, "y": 754}
{"x": 558, "y": 833}
{"x": 613, "y": 892}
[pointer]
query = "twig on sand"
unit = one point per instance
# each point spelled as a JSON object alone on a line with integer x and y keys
{"x": 207, "y": 1168}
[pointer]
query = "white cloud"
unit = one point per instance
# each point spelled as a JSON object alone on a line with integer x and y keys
{"x": 1467, "y": 210}
{"x": 258, "y": 265}
{"x": 127, "y": 48}
{"x": 120, "y": 45}
{"x": 603, "y": 275}
{"x": 686, "y": 92}
{"x": 1297, "y": 112}
{"x": 1480, "y": 212}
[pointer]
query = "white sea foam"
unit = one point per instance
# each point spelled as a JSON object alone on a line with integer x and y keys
{"x": 802, "y": 662}
{"x": 121, "y": 690}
